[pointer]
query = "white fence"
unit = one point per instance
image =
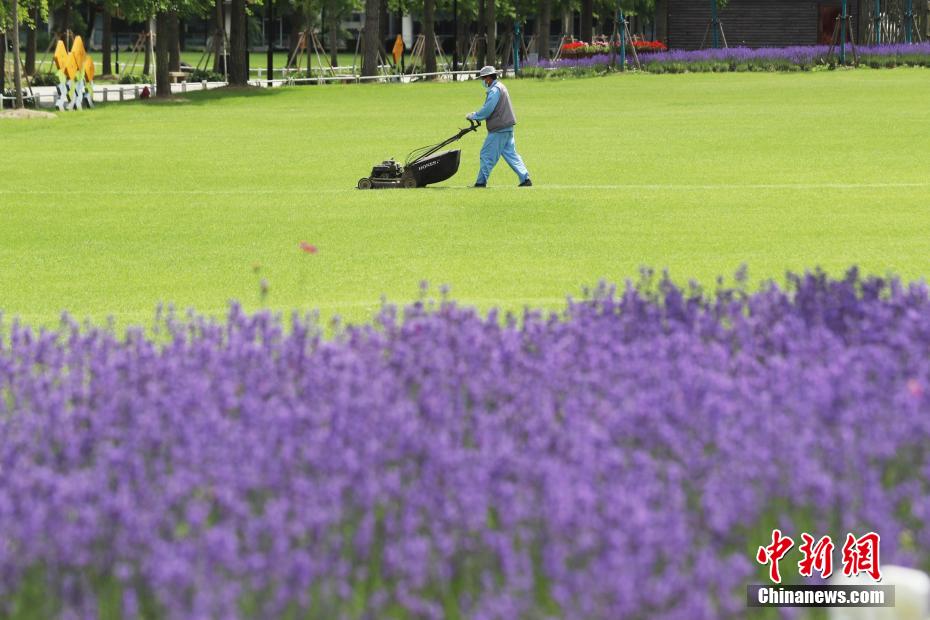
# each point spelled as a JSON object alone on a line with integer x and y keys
{"x": 47, "y": 95}
{"x": 405, "y": 78}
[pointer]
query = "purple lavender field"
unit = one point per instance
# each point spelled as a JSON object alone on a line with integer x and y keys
{"x": 621, "y": 460}
{"x": 747, "y": 59}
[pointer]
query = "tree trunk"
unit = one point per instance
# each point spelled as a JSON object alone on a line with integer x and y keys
{"x": 31, "y": 44}
{"x": 91, "y": 20}
{"x": 490, "y": 16}
{"x": 383, "y": 25}
{"x": 481, "y": 52}
{"x": 217, "y": 37}
{"x": 293, "y": 36}
{"x": 162, "y": 43}
{"x": 66, "y": 25}
{"x": 429, "y": 31}
{"x": 106, "y": 41}
{"x": 334, "y": 38}
{"x": 544, "y": 29}
{"x": 2, "y": 63}
{"x": 17, "y": 67}
{"x": 174, "y": 41}
{"x": 661, "y": 20}
{"x": 587, "y": 16}
{"x": 147, "y": 64}
{"x": 862, "y": 17}
{"x": 238, "y": 43}
{"x": 461, "y": 39}
{"x": 370, "y": 38}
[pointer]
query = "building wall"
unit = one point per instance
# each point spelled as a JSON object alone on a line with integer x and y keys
{"x": 754, "y": 23}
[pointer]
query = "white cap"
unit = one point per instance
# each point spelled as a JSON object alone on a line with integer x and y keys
{"x": 486, "y": 71}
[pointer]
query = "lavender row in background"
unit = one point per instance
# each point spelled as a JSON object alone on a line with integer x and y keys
{"x": 800, "y": 55}
{"x": 622, "y": 460}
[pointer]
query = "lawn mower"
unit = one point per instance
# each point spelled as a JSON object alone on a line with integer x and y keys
{"x": 424, "y": 166}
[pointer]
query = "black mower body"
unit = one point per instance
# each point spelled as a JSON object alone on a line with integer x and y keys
{"x": 429, "y": 167}
{"x": 435, "y": 168}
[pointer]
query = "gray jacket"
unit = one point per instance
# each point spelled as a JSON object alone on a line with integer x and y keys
{"x": 502, "y": 117}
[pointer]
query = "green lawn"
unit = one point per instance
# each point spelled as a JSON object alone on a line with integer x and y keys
{"x": 107, "y": 212}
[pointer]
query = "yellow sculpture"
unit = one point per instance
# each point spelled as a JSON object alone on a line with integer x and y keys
{"x": 75, "y": 70}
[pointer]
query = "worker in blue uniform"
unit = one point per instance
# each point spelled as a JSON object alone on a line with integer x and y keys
{"x": 497, "y": 113}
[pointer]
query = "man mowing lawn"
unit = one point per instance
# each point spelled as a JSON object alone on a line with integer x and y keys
{"x": 497, "y": 112}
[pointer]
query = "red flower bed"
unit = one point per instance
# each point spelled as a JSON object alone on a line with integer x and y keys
{"x": 650, "y": 46}
{"x": 580, "y": 49}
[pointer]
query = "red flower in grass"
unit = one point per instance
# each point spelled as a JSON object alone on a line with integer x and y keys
{"x": 308, "y": 247}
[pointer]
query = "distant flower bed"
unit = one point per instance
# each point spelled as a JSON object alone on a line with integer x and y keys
{"x": 649, "y": 46}
{"x": 574, "y": 48}
{"x": 579, "y": 49}
{"x": 624, "y": 459}
{"x": 799, "y": 58}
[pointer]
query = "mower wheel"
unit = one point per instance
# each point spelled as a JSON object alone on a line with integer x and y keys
{"x": 408, "y": 183}
{"x": 364, "y": 183}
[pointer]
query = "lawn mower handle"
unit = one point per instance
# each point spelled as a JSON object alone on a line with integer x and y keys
{"x": 472, "y": 126}
{"x": 427, "y": 151}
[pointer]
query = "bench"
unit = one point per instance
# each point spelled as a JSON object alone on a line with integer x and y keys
{"x": 177, "y": 76}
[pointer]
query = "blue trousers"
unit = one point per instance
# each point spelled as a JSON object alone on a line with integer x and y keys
{"x": 500, "y": 144}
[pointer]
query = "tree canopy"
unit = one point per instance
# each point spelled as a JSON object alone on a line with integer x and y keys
{"x": 25, "y": 13}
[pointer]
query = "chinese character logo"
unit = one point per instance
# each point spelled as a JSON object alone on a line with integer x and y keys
{"x": 817, "y": 557}
{"x": 860, "y": 555}
{"x": 774, "y": 553}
